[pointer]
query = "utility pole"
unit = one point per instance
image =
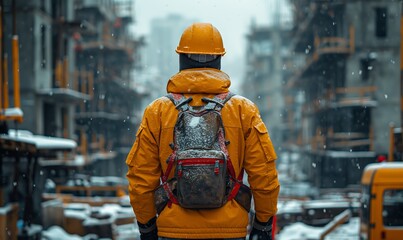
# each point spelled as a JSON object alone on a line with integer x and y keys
{"x": 15, "y": 58}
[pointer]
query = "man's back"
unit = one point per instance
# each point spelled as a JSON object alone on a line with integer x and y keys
{"x": 247, "y": 136}
{"x": 247, "y": 142}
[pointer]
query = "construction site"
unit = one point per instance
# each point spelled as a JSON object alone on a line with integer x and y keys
{"x": 69, "y": 111}
{"x": 328, "y": 85}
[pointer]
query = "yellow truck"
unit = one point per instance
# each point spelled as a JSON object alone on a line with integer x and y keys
{"x": 382, "y": 202}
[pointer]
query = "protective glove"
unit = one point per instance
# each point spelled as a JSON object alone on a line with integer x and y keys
{"x": 261, "y": 230}
{"x": 149, "y": 230}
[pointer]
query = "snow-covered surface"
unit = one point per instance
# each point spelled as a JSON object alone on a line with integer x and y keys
{"x": 125, "y": 201}
{"x": 84, "y": 211}
{"x": 375, "y": 166}
{"x": 77, "y": 210}
{"x": 292, "y": 206}
{"x": 77, "y": 161}
{"x": 126, "y": 211}
{"x": 296, "y": 189}
{"x": 4, "y": 210}
{"x": 301, "y": 231}
{"x": 109, "y": 209}
{"x": 347, "y": 154}
{"x": 297, "y": 206}
{"x": 116, "y": 210}
{"x": 107, "y": 181}
{"x": 194, "y": 122}
{"x": 75, "y": 214}
{"x": 329, "y": 204}
{"x": 95, "y": 216}
{"x": 58, "y": 233}
{"x": 40, "y": 142}
{"x": 103, "y": 156}
{"x": 8, "y": 112}
{"x": 127, "y": 232}
{"x": 96, "y": 222}
{"x": 64, "y": 91}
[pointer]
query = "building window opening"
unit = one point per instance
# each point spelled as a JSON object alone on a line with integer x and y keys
{"x": 365, "y": 69}
{"x": 381, "y": 22}
{"x": 43, "y": 46}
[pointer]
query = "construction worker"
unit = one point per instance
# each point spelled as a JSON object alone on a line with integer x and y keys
{"x": 249, "y": 148}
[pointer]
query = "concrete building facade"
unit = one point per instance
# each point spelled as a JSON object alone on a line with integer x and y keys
{"x": 75, "y": 65}
{"x": 348, "y": 79}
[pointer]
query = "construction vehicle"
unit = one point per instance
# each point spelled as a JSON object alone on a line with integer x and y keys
{"x": 382, "y": 201}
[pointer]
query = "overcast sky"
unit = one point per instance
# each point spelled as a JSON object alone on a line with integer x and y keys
{"x": 232, "y": 18}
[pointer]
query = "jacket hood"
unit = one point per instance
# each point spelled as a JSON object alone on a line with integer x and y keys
{"x": 199, "y": 80}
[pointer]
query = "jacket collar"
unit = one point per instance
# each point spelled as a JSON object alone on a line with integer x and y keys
{"x": 199, "y": 80}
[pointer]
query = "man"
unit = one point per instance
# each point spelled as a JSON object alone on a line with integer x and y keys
{"x": 249, "y": 147}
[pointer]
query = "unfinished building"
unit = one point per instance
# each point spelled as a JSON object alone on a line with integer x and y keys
{"x": 349, "y": 80}
{"x": 68, "y": 106}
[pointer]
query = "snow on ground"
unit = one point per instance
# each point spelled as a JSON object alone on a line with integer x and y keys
{"x": 127, "y": 232}
{"x": 58, "y": 233}
{"x": 290, "y": 206}
{"x": 301, "y": 231}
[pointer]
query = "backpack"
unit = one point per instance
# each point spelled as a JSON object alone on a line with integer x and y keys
{"x": 204, "y": 175}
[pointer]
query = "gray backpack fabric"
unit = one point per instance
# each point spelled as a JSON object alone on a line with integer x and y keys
{"x": 203, "y": 168}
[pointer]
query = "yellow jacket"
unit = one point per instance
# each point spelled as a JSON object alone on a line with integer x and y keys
{"x": 250, "y": 148}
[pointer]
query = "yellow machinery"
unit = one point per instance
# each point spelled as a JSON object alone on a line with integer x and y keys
{"x": 382, "y": 201}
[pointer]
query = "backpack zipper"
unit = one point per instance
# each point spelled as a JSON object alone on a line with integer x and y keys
{"x": 200, "y": 161}
{"x": 217, "y": 167}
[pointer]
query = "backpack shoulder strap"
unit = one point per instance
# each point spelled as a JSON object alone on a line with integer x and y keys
{"x": 218, "y": 102}
{"x": 179, "y": 100}
{"x": 224, "y": 97}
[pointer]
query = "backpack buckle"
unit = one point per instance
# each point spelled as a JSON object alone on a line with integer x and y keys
{"x": 183, "y": 104}
{"x": 212, "y": 104}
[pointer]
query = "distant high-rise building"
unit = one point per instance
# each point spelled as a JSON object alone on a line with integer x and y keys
{"x": 164, "y": 37}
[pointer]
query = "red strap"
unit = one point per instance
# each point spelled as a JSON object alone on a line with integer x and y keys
{"x": 240, "y": 176}
{"x": 274, "y": 226}
{"x": 234, "y": 191}
{"x": 171, "y": 196}
{"x": 231, "y": 170}
{"x": 168, "y": 190}
{"x": 171, "y": 161}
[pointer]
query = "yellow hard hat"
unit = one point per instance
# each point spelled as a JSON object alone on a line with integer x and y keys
{"x": 201, "y": 38}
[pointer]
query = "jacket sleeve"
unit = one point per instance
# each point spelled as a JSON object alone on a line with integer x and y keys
{"x": 261, "y": 168}
{"x": 144, "y": 169}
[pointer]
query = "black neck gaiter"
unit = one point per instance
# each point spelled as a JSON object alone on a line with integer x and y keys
{"x": 186, "y": 63}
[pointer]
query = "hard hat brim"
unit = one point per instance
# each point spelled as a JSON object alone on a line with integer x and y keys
{"x": 221, "y": 53}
